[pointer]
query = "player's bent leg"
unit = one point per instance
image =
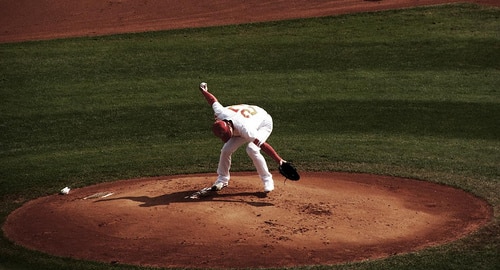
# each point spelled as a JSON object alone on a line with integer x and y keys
{"x": 225, "y": 159}
{"x": 260, "y": 164}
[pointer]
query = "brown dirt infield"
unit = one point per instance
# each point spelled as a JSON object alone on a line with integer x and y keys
{"x": 325, "y": 218}
{"x": 23, "y": 20}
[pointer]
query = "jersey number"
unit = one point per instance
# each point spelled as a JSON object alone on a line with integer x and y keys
{"x": 244, "y": 110}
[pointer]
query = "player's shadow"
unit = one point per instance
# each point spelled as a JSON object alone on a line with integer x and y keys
{"x": 180, "y": 197}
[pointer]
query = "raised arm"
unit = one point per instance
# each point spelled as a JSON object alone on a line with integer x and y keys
{"x": 211, "y": 99}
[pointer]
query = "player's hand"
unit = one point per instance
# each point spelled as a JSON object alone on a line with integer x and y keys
{"x": 203, "y": 86}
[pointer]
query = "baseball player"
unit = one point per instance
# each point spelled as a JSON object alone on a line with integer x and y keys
{"x": 236, "y": 125}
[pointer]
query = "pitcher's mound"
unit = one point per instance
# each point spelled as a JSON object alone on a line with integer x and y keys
{"x": 325, "y": 218}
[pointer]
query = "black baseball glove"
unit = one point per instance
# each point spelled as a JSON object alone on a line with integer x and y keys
{"x": 288, "y": 170}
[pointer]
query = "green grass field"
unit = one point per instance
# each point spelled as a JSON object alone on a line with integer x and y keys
{"x": 412, "y": 93}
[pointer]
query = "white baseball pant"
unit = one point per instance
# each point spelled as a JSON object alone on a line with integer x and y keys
{"x": 253, "y": 151}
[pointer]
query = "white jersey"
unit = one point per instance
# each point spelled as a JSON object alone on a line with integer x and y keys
{"x": 247, "y": 119}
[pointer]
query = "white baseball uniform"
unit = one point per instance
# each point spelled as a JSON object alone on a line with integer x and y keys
{"x": 250, "y": 122}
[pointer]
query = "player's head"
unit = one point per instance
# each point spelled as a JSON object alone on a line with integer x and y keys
{"x": 223, "y": 129}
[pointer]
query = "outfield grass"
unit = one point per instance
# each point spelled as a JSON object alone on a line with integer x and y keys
{"x": 412, "y": 93}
